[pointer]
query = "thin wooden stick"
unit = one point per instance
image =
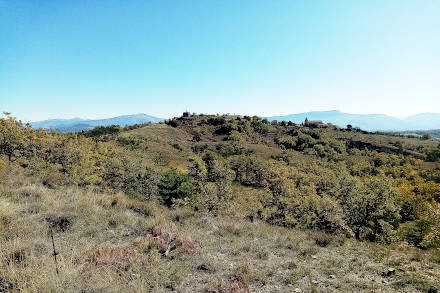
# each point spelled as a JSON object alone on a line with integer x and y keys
{"x": 54, "y": 251}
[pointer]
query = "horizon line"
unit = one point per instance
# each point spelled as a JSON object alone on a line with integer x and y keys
{"x": 229, "y": 113}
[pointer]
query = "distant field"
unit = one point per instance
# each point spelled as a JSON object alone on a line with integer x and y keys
{"x": 433, "y": 133}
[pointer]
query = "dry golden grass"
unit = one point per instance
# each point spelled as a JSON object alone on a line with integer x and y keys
{"x": 160, "y": 139}
{"x": 109, "y": 243}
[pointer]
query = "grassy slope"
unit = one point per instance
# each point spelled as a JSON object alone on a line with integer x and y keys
{"x": 231, "y": 253}
{"x": 160, "y": 139}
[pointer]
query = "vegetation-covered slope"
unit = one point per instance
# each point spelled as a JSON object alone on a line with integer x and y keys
{"x": 220, "y": 198}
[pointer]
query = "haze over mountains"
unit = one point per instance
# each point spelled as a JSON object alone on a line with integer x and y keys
{"x": 370, "y": 122}
{"x": 79, "y": 124}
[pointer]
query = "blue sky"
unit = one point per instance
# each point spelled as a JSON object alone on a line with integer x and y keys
{"x": 94, "y": 59}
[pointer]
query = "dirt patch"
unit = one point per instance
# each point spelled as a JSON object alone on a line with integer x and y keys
{"x": 165, "y": 238}
{"x": 117, "y": 257}
{"x": 168, "y": 239}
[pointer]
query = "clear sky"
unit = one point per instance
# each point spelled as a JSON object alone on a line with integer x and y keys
{"x": 95, "y": 59}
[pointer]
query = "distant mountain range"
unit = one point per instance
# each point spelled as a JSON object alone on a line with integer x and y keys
{"x": 78, "y": 124}
{"x": 370, "y": 122}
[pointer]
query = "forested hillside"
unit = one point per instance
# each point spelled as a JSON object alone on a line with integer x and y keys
{"x": 169, "y": 206}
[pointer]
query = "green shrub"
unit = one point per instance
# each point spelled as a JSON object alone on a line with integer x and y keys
{"x": 142, "y": 186}
{"x": 199, "y": 148}
{"x": 174, "y": 123}
{"x": 260, "y": 126}
{"x": 228, "y": 150}
{"x": 236, "y": 136}
{"x": 103, "y": 130}
{"x": 226, "y": 129}
{"x": 322, "y": 214}
{"x": 177, "y": 147}
{"x": 432, "y": 237}
{"x": 433, "y": 155}
{"x": 282, "y": 157}
{"x": 215, "y": 121}
{"x": 288, "y": 142}
{"x": 13, "y": 138}
{"x": 371, "y": 212}
{"x": 174, "y": 185}
{"x": 197, "y": 137}
{"x": 249, "y": 170}
{"x": 128, "y": 142}
{"x": 415, "y": 232}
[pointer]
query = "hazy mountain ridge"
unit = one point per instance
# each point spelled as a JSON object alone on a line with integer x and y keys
{"x": 78, "y": 124}
{"x": 371, "y": 122}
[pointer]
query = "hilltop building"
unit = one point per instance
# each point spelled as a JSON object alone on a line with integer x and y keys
{"x": 187, "y": 115}
{"x": 314, "y": 123}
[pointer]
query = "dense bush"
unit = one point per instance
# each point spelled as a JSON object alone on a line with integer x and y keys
{"x": 282, "y": 157}
{"x": 142, "y": 186}
{"x": 129, "y": 142}
{"x": 433, "y": 155}
{"x": 260, "y": 126}
{"x": 216, "y": 121}
{"x": 173, "y": 186}
{"x": 102, "y": 130}
{"x": 432, "y": 174}
{"x": 423, "y": 233}
{"x": 174, "y": 123}
{"x": 227, "y": 150}
{"x": 311, "y": 142}
{"x": 15, "y": 140}
{"x": 198, "y": 148}
{"x": 288, "y": 142}
{"x": 371, "y": 212}
{"x": 249, "y": 171}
